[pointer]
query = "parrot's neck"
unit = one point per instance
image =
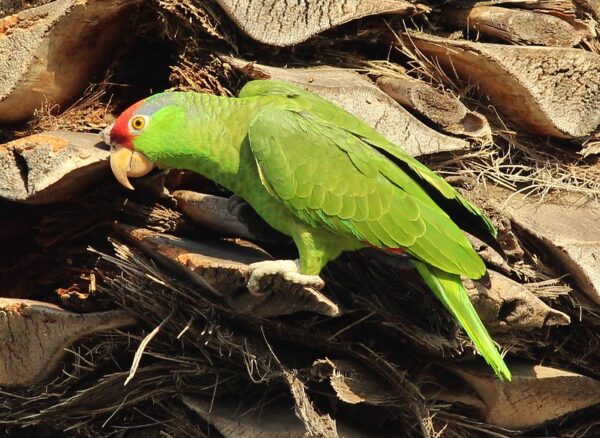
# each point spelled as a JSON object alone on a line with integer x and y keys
{"x": 214, "y": 140}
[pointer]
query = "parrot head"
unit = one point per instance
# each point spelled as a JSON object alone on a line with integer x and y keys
{"x": 138, "y": 133}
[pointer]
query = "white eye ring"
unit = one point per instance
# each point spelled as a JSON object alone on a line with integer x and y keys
{"x": 138, "y": 123}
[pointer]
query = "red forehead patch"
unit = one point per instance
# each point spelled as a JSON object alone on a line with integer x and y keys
{"x": 120, "y": 134}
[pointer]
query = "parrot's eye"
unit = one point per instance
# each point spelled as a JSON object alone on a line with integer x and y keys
{"x": 138, "y": 123}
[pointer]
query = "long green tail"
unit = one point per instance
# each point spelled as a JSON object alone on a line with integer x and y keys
{"x": 450, "y": 291}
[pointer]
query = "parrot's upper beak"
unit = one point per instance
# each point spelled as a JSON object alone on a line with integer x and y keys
{"x": 125, "y": 162}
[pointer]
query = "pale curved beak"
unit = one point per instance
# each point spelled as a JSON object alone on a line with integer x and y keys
{"x": 126, "y": 163}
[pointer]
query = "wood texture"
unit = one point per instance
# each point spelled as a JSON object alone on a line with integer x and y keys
{"x": 227, "y": 216}
{"x": 366, "y": 101}
{"x": 49, "y": 53}
{"x": 273, "y": 420}
{"x": 536, "y": 394}
{"x": 514, "y": 26}
{"x": 508, "y": 306}
{"x": 51, "y": 167}
{"x": 569, "y": 230}
{"x": 444, "y": 110}
{"x": 287, "y": 22}
{"x": 221, "y": 267}
{"x": 544, "y": 90}
{"x": 35, "y": 334}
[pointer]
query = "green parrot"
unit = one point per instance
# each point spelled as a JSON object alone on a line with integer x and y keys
{"x": 317, "y": 174}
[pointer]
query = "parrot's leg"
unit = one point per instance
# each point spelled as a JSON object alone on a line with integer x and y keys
{"x": 315, "y": 249}
{"x": 265, "y": 275}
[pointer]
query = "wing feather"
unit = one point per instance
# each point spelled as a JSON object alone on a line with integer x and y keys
{"x": 354, "y": 190}
{"x": 446, "y": 197}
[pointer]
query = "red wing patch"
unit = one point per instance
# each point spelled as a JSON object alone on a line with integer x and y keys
{"x": 397, "y": 251}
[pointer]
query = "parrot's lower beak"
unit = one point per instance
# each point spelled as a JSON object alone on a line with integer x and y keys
{"x": 125, "y": 162}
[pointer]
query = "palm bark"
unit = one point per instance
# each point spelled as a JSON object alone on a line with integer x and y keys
{"x": 139, "y": 298}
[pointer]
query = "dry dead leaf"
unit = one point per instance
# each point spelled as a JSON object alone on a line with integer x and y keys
{"x": 353, "y": 383}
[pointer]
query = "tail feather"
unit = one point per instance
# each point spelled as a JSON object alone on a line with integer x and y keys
{"x": 450, "y": 291}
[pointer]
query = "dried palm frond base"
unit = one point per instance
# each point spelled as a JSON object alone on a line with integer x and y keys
{"x": 516, "y": 161}
{"x": 192, "y": 355}
{"x": 393, "y": 363}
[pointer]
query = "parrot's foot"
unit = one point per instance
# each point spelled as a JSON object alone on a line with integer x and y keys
{"x": 269, "y": 274}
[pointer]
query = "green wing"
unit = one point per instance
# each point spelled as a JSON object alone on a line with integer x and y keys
{"x": 334, "y": 171}
{"x": 332, "y": 178}
{"x": 444, "y": 194}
